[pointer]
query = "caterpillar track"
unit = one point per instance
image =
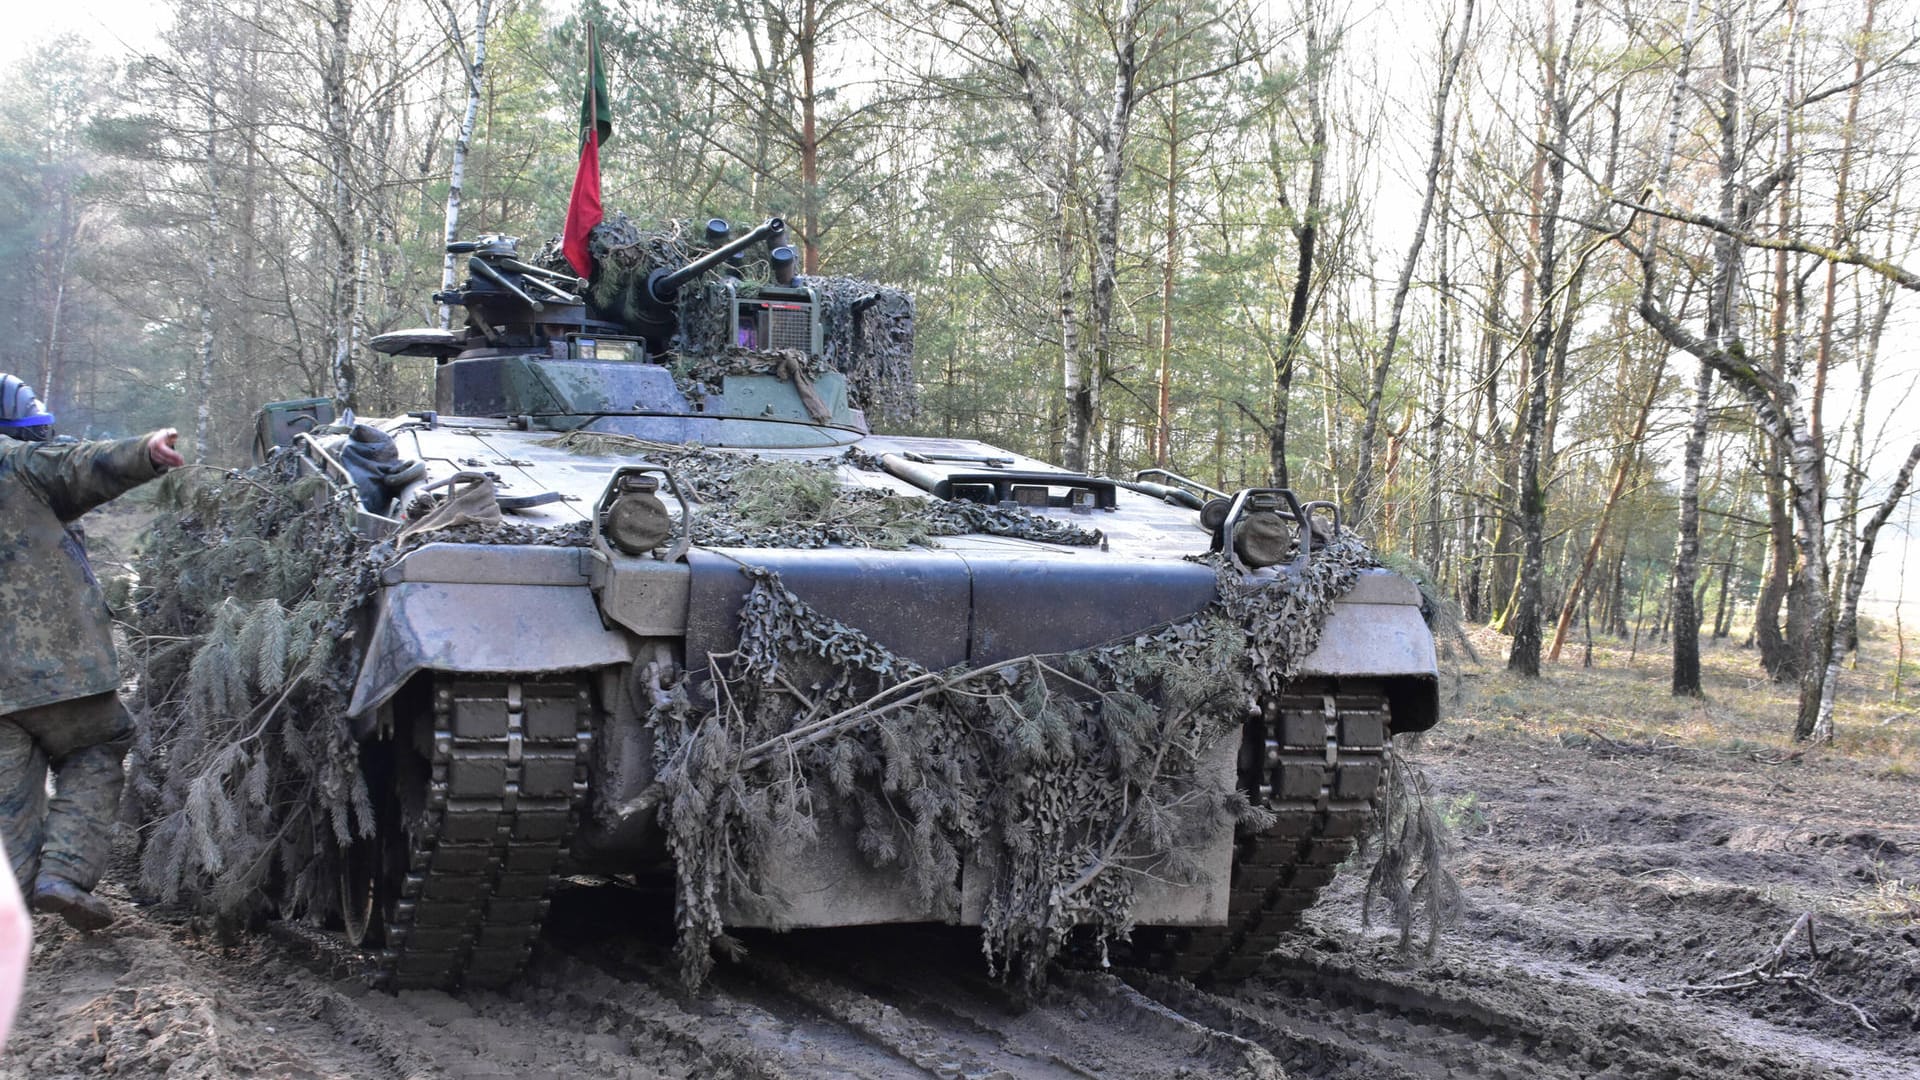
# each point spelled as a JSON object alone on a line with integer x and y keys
{"x": 487, "y": 798}
{"x": 488, "y": 795}
{"x": 1314, "y": 757}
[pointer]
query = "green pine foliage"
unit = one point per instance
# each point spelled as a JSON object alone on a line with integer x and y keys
{"x": 1410, "y": 873}
{"x": 243, "y": 765}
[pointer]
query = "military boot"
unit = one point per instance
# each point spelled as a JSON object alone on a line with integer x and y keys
{"x": 81, "y": 909}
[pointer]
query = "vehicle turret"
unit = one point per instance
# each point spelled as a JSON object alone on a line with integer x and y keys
{"x": 671, "y": 338}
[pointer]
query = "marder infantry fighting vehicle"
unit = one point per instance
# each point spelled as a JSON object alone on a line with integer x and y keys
{"x": 530, "y": 687}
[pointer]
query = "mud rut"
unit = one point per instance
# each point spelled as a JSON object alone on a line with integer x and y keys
{"x": 1598, "y": 881}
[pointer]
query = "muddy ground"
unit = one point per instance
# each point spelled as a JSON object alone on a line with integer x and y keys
{"x": 1631, "y": 867}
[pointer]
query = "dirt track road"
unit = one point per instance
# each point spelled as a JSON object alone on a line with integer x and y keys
{"x": 1601, "y": 880}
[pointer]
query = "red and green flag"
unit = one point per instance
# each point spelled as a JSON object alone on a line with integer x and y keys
{"x": 596, "y": 127}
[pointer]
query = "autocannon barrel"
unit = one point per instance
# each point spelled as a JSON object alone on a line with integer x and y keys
{"x": 665, "y": 284}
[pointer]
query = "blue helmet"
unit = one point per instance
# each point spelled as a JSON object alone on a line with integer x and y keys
{"x": 21, "y": 414}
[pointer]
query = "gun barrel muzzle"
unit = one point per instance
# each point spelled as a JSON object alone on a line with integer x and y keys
{"x": 785, "y": 263}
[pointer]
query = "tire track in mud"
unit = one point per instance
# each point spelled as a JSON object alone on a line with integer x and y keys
{"x": 563, "y": 1018}
{"x": 1582, "y": 1003}
{"x": 1328, "y": 1016}
{"x": 569, "y": 1018}
{"x": 1084, "y": 1024}
{"x": 1644, "y": 880}
{"x": 760, "y": 1033}
{"x": 907, "y": 1003}
{"x": 604, "y": 999}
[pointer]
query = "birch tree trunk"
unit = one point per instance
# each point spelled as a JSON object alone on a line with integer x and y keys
{"x": 1869, "y": 352}
{"x": 1723, "y": 333}
{"x": 475, "y": 65}
{"x": 1525, "y": 654}
{"x": 1065, "y": 263}
{"x": 1686, "y": 557}
{"x": 68, "y": 238}
{"x": 1083, "y": 402}
{"x": 1306, "y": 234}
{"x": 341, "y": 321}
{"x": 1437, "y": 390}
{"x": 1775, "y": 656}
{"x": 1163, "y": 411}
{"x": 1822, "y": 726}
{"x": 1436, "y": 155}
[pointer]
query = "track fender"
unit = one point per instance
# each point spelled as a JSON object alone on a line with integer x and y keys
{"x": 1376, "y": 631}
{"x": 474, "y": 628}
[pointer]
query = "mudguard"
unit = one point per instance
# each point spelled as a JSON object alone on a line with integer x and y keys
{"x": 478, "y": 609}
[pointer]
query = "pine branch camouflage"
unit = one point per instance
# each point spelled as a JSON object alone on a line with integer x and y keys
{"x": 1074, "y": 776}
{"x": 243, "y": 763}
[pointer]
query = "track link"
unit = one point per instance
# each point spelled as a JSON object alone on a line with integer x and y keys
{"x": 506, "y": 777}
{"x": 1317, "y": 755}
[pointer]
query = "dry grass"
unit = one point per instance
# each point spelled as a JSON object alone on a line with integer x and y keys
{"x": 1889, "y": 899}
{"x": 1625, "y": 697}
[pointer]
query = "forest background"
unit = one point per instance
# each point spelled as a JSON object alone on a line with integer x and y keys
{"x": 1598, "y": 310}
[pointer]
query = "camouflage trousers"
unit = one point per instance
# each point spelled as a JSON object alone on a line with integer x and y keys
{"x": 83, "y": 741}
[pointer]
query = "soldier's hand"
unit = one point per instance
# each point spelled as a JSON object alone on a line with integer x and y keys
{"x": 160, "y": 448}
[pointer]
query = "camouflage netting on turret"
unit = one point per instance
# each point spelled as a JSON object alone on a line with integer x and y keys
{"x": 876, "y": 355}
{"x": 1075, "y": 776}
{"x": 867, "y": 328}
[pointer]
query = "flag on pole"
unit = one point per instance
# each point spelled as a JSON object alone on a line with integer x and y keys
{"x": 596, "y": 127}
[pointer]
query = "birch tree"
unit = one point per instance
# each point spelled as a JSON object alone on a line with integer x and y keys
{"x": 1305, "y": 221}
{"x": 473, "y": 65}
{"x": 1436, "y": 154}
{"x": 1557, "y": 61}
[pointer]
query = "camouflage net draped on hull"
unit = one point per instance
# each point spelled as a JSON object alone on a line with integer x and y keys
{"x": 242, "y": 637}
{"x": 1071, "y": 777}
{"x": 747, "y": 501}
{"x": 867, "y": 328}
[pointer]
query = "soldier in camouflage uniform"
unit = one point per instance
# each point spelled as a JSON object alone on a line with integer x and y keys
{"x": 58, "y": 673}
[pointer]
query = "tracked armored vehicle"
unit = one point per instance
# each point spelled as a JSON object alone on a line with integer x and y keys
{"x": 551, "y": 609}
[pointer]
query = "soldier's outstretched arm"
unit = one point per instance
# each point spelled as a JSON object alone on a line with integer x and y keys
{"x": 76, "y": 477}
